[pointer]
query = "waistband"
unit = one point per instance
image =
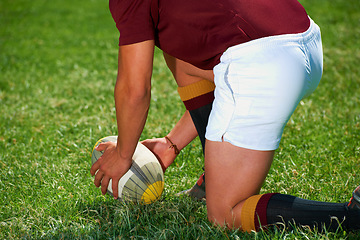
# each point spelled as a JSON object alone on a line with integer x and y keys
{"x": 300, "y": 38}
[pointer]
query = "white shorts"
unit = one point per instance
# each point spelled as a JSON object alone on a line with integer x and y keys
{"x": 258, "y": 86}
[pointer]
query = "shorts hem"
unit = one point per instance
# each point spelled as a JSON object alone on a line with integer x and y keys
{"x": 242, "y": 145}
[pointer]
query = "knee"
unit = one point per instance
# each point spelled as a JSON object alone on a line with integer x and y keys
{"x": 221, "y": 215}
{"x": 216, "y": 218}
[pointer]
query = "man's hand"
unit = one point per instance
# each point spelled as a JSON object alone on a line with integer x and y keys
{"x": 161, "y": 149}
{"x": 109, "y": 166}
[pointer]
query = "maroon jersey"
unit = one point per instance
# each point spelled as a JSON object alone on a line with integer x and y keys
{"x": 199, "y": 31}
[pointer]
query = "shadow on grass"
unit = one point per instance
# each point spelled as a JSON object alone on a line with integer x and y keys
{"x": 169, "y": 218}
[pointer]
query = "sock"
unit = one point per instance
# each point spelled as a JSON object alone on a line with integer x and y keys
{"x": 198, "y": 98}
{"x": 279, "y": 209}
{"x": 253, "y": 213}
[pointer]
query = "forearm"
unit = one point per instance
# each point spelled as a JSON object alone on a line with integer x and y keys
{"x": 183, "y": 132}
{"x": 131, "y": 114}
{"x": 132, "y": 94}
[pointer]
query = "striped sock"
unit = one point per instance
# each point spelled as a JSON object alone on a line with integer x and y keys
{"x": 284, "y": 210}
{"x": 253, "y": 213}
{"x": 197, "y": 94}
{"x": 198, "y": 98}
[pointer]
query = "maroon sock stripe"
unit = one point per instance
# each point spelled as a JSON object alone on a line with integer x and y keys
{"x": 199, "y": 101}
{"x": 261, "y": 209}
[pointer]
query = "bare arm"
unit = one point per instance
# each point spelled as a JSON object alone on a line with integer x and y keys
{"x": 132, "y": 100}
{"x": 132, "y": 94}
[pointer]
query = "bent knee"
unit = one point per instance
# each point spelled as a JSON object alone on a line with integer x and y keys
{"x": 223, "y": 215}
{"x": 218, "y": 218}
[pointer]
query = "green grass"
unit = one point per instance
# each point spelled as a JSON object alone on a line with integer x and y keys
{"x": 57, "y": 70}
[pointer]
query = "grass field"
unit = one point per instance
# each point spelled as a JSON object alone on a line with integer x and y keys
{"x": 58, "y": 62}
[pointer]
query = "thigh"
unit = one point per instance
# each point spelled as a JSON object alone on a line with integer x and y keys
{"x": 185, "y": 73}
{"x": 233, "y": 174}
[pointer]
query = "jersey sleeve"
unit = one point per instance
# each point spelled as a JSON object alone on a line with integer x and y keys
{"x": 133, "y": 20}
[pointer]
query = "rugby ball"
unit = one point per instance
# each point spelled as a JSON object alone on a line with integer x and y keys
{"x": 144, "y": 182}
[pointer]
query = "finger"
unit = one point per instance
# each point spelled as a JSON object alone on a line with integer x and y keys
{"x": 94, "y": 168}
{"x": 102, "y": 146}
{"x": 104, "y": 184}
{"x": 98, "y": 178}
{"x": 115, "y": 189}
{"x": 96, "y": 165}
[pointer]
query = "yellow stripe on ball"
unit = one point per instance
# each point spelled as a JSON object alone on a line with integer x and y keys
{"x": 153, "y": 192}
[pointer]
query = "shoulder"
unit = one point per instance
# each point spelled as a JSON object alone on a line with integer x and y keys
{"x": 133, "y": 20}
{"x": 128, "y": 6}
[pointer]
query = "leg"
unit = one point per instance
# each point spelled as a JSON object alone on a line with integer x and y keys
{"x": 198, "y": 98}
{"x": 233, "y": 174}
{"x": 197, "y": 95}
{"x": 196, "y": 90}
{"x": 234, "y": 177}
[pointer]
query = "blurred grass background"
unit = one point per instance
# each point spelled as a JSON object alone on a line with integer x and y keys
{"x": 58, "y": 62}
